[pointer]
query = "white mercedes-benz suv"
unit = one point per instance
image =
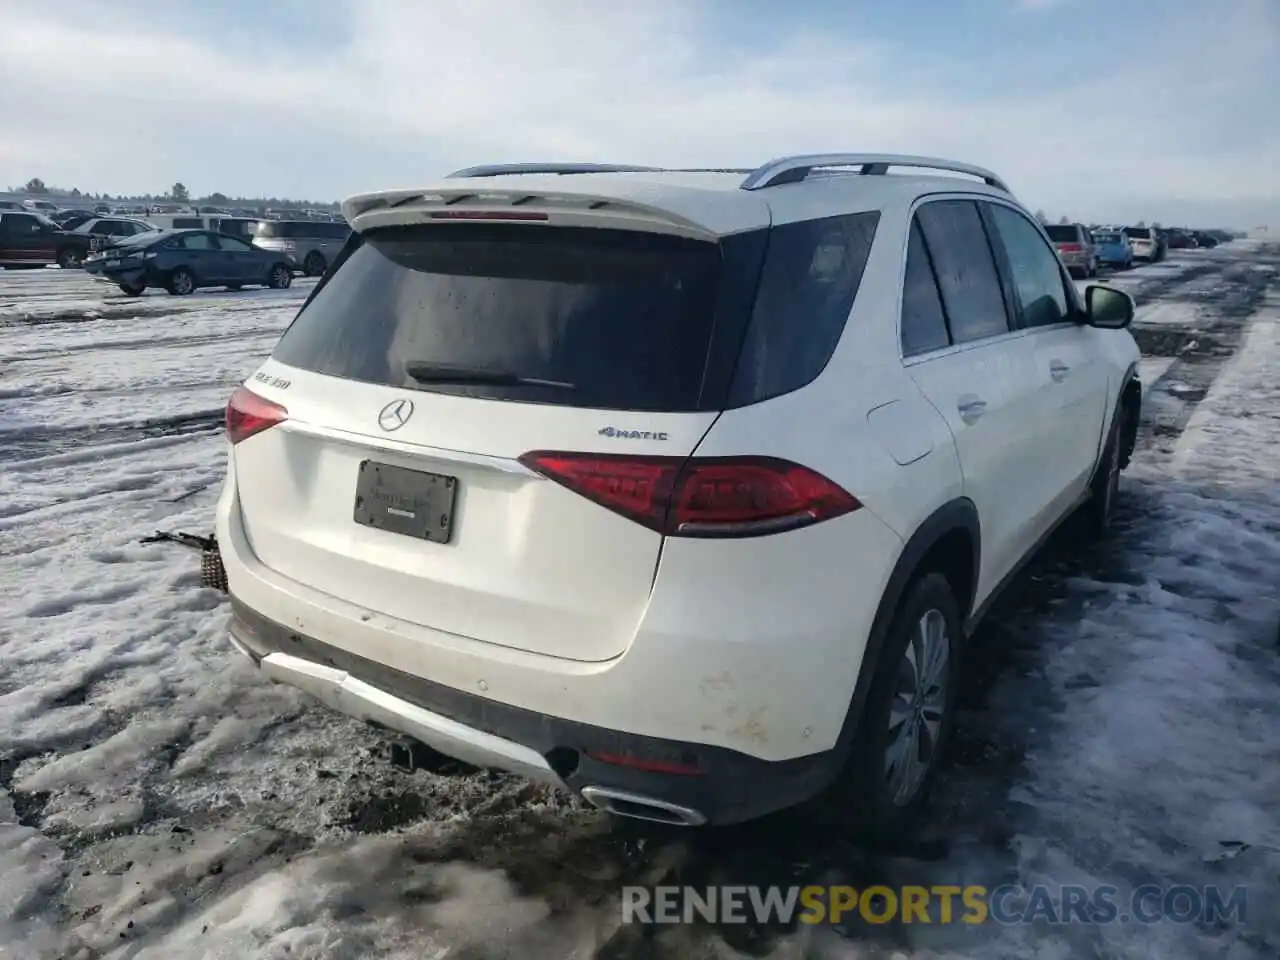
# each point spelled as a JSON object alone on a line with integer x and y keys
{"x": 678, "y": 489}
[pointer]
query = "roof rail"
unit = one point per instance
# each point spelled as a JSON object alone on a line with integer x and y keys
{"x": 796, "y": 169}
{"x": 508, "y": 169}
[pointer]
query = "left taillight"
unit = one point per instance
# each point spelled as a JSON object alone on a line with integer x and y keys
{"x": 249, "y": 414}
{"x": 699, "y": 496}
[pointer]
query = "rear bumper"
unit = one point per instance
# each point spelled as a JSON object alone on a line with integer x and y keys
{"x": 737, "y": 669}
{"x": 730, "y": 787}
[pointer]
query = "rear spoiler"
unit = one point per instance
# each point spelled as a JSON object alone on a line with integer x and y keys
{"x": 527, "y": 204}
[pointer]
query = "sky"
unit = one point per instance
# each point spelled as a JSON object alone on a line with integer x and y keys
{"x": 1103, "y": 110}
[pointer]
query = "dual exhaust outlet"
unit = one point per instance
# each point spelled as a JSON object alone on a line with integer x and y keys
{"x": 410, "y": 756}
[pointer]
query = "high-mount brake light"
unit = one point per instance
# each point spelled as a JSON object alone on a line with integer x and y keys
{"x": 699, "y": 496}
{"x": 487, "y": 215}
{"x": 249, "y": 414}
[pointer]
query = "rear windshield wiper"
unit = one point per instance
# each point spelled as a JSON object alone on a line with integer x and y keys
{"x": 425, "y": 372}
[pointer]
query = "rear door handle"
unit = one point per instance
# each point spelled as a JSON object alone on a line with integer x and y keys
{"x": 971, "y": 408}
{"x": 1059, "y": 370}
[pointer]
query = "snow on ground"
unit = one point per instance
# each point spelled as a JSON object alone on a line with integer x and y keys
{"x": 159, "y": 800}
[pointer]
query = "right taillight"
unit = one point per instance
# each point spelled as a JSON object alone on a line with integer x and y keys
{"x": 699, "y": 496}
{"x": 248, "y": 414}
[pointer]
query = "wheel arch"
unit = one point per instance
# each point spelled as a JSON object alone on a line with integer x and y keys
{"x": 1130, "y": 395}
{"x": 949, "y": 541}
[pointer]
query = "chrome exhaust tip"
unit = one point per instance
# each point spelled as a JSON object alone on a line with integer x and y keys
{"x": 637, "y": 807}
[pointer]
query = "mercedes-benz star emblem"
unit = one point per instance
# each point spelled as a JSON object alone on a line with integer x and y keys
{"x": 395, "y": 415}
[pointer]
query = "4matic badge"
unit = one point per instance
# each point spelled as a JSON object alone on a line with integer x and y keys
{"x": 630, "y": 434}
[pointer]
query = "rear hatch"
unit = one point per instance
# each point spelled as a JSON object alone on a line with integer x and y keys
{"x": 430, "y": 361}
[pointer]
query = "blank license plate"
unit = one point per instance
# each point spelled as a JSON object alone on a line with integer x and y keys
{"x": 410, "y": 502}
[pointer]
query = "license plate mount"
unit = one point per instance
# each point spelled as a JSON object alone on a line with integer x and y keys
{"x": 413, "y": 503}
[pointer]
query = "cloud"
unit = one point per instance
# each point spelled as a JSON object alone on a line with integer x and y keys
{"x": 109, "y": 101}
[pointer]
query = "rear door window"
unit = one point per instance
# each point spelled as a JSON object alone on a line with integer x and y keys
{"x": 194, "y": 241}
{"x": 811, "y": 275}
{"x": 233, "y": 244}
{"x": 966, "y": 269}
{"x": 597, "y": 318}
{"x": 924, "y": 322}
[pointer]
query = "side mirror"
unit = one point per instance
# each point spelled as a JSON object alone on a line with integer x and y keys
{"x": 1107, "y": 308}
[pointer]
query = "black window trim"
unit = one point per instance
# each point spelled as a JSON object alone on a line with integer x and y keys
{"x": 1013, "y": 333}
{"x": 912, "y": 226}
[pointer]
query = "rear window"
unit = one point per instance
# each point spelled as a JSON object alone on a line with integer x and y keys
{"x": 1062, "y": 233}
{"x": 1142, "y": 233}
{"x": 624, "y": 319}
{"x": 1106, "y": 238}
{"x": 608, "y": 319}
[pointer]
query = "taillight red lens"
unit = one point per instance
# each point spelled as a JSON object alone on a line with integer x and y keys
{"x": 1070, "y": 247}
{"x": 248, "y": 413}
{"x": 699, "y": 496}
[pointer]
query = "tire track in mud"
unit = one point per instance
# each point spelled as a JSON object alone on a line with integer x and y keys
{"x": 33, "y": 442}
{"x": 1198, "y": 350}
{"x": 194, "y": 340}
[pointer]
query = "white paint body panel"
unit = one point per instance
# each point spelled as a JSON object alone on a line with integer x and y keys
{"x": 548, "y": 602}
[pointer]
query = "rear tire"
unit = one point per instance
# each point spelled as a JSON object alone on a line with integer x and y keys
{"x": 131, "y": 290}
{"x": 281, "y": 277}
{"x": 906, "y": 721}
{"x": 315, "y": 264}
{"x": 70, "y": 259}
{"x": 182, "y": 282}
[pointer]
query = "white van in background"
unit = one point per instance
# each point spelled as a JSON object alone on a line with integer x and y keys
{"x": 242, "y": 227}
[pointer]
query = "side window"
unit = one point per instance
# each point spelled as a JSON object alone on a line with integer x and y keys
{"x": 809, "y": 279}
{"x": 233, "y": 244}
{"x": 1033, "y": 266}
{"x": 924, "y": 324}
{"x": 965, "y": 268}
{"x": 195, "y": 241}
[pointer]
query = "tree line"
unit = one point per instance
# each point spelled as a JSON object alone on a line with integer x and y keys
{"x": 178, "y": 193}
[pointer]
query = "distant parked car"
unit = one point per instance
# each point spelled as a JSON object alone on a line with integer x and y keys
{"x": 108, "y": 231}
{"x": 1205, "y": 239}
{"x": 314, "y": 244}
{"x": 32, "y": 240}
{"x": 243, "y": 227}
{"x": 185, "y": 260}
{"x": 71, "y": 213}
{"x": 1162, "y": 243}
{"x": 1180, "y": 240}
{"x": 1114, "y": 249}
{"x": 1075, "y": 248}
{"x": 46, "y": 207}
{"x": 1146, "y": 245}
{"x": 11, "y": 205}
{"x": 102, "y": 209}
